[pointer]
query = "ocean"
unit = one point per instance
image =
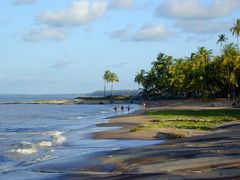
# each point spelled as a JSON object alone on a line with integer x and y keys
{"x": 36, "y": 135}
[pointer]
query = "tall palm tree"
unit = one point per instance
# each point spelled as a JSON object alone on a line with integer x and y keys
{"x": 236, "y": 30}
{"x": 201, "y": 61}
{"x": 221, "y": 39}
{"x": 139, "y": 78}
{"x": 230, "y": 54}
{"x": 106, "y": 78}
{"x": 204, "y": 56}
{"x": 113, "y": 78}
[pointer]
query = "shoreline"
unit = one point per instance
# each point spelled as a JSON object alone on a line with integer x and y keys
{"x": 128, "y": 121}
{"x": 79, "y": 101}
{"x": 213, "y": 154}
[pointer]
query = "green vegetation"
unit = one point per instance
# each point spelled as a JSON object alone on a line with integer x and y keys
{"x": 189, "y": 119}
{"x": 201, "y": 75}
{"x": 222, "y": 39}
{"x": 236, "y": 30}
{"x": 109, "y": 77}
{"x": 115, "y": 93}
{"x": 123, "y": 98}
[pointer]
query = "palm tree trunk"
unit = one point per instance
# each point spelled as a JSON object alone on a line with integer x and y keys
{"x": 104, "y": 88}
{"x": 238, "y": 43}
{"x": 221, "y": 48}
{"x": 228, "y": 96}
{"x": 112, "y": 89}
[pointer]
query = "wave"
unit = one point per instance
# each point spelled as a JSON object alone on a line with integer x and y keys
{"x": 29, "y": 148}
{"x": 57, "y": 136}
{"x": 45, "y": 143}
{"x": 103, "y": 112}
{"x": 25, "y": 148}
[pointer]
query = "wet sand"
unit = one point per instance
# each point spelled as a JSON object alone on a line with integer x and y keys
{"x": 199, "y": 155}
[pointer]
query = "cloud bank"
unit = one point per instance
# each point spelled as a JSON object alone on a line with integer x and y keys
{"x": 79, "y": 13}
{"x": 55, "y": 25}
{"x": 46, "y": 32}
{"x": 196, "y": 9}
{"x": 148, "y": 32}
{"x": 122, "y": 4}
{"x": 197, "y": 16}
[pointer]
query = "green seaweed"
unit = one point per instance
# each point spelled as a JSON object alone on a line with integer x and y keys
{"x": 189, "y": 119}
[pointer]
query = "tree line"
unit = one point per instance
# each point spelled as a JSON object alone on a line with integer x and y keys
{"x": 199, "y": 75}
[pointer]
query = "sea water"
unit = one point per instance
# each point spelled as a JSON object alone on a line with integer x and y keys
{"x": 34, "y": 134}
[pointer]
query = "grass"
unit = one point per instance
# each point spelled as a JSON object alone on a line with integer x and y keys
{"x": 189, "y": 119}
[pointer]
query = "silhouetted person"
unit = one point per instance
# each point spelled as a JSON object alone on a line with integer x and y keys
{"x": 122, "y": 108}
{"x": 128, "y": 108}
{"x": 115, "y": 108}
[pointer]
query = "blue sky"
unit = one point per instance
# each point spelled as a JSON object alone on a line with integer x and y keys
{"x": 64, "y": 46}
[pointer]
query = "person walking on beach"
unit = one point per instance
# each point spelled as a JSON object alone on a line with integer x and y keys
{"x": 144, "y": 105}
{"x": 122, "y": 108}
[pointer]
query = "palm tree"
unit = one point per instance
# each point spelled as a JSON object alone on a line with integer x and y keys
{"x": 230, "y": 54}
{"x": 106, "y": 78}
{"x": 204, "y": 55}
{"x": 139, "y": 78}
{"x": 201, "y": 61}
{"x": 221, "y": 39}
{"x": 161, "y": 67}
{"x": 113, "y": 78}
{"x": 236, "y": 30}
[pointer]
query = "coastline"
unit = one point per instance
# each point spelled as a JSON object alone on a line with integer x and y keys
{"x": 213, "y": 154}
{"x": 79, "y": 100}
{"x": 126, "y": 122}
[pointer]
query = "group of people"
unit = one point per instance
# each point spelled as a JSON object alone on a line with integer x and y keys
{"x": 121, "y": 108}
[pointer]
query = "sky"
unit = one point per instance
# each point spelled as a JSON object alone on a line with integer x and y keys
{"x": 64, "y": 46}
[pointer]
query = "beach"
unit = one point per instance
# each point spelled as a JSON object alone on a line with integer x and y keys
{"x": 196, "y": 155}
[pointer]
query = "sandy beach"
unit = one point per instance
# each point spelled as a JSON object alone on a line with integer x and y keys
{"x": 129, "y": 121}
{"x": 196, "y": 155}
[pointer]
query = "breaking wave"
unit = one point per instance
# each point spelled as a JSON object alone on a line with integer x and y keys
{"x": 25, "y": 148}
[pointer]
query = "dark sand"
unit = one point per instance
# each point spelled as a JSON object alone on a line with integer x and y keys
{"x": 199, "y": 155}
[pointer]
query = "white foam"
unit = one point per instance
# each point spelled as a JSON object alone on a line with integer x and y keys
{"x": 45, "y": 143}
{"x": 26, "y": 151}
{"x": 44, "y": 158}
{"x": 24, "y": 143}
{"x": 57, "y": 136}
{"x": 25, "y": 148}
{"x": 79, "y": 117}
{"x": 103, "y": 112}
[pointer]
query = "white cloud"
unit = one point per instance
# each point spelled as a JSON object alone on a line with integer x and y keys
{"x": 147, "y": 32}
{"x": 203, "y": 26}
{"x": 122, "y": 4}
{"x": 46, "y": 32}
{"x": 196, "y": 9}
{"x": 151, "y": 32}
{"x": 22, "y": 2}
{"x": 80, "y": 12}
